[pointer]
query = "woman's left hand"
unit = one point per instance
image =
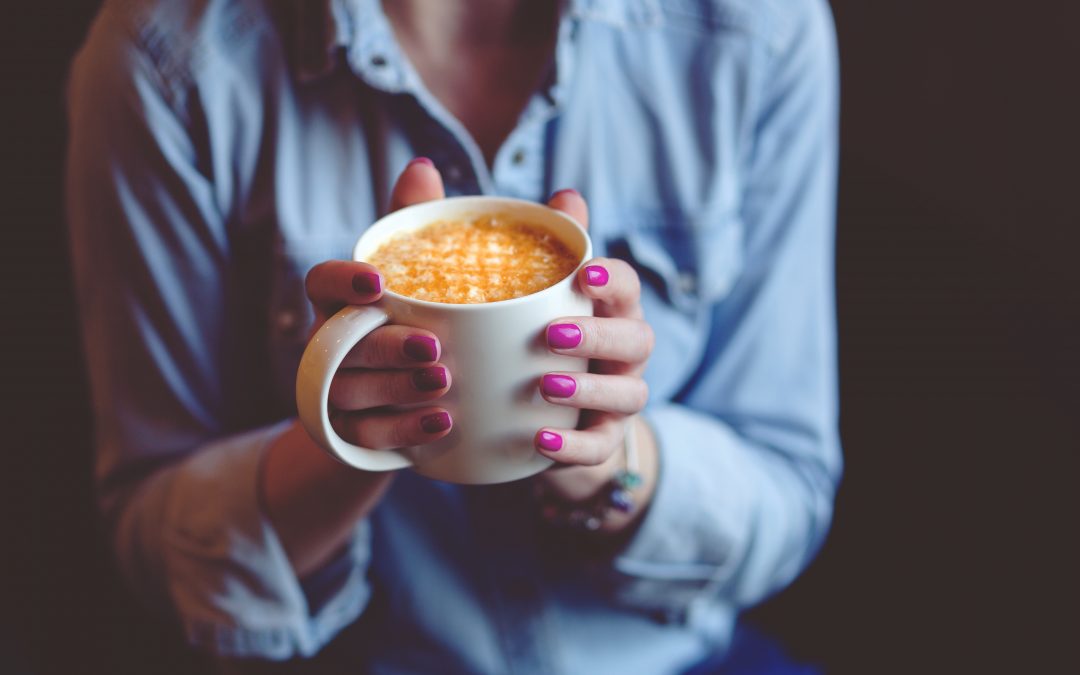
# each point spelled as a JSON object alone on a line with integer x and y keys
{"x": 617, "y": 341}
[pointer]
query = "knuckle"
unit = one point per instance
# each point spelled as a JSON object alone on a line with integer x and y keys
{"x": 368, "y": 432}
{"x": 604, "y": 337}
{"x": 594, "y": 458}
{"x": 594, "y": 449}
{"x": 350, "y": 428}
{"x": 627, "y": 273}
{"x": 340, "y": 391}
{"x": 313, "y": 278}
{"x": 392, "y": 389}
{"x": 641, "y": 395}
{"x": 402, "y": 430}
{"x": 649, "y": 337}
{"x": 360, "y": 355}
{"x": 385, "y": 348}
{"x": 358, "y": 428}
{"x": 632, "y": 280}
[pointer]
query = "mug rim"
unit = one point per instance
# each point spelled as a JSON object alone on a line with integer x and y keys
{"x": 483, "y": 199}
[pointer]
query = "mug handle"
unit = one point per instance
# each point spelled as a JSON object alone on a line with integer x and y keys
{"x": 321, "y": 360}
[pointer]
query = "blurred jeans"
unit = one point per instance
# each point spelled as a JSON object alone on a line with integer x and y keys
{"x": 754, "y": 653}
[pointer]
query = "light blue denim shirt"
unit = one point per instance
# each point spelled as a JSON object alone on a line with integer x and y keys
{"x": 219, "y": 149}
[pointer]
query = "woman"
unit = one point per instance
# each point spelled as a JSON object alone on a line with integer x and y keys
{"x": 225, "y": 155}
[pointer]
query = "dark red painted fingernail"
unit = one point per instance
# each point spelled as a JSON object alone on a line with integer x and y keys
{"x": 596, "y": 275}
{"x": 366, "y": 283}
{"x": 565, "y": 191}
{"x": 429, "y": 379}
{"x": 563, "y": 336}
{"x": 549, "y": 440}
{"x": 558, "y": 386}
{"x": 422, "y": 160}
{"x": 436, "y": 422}
{"x": 421, "y": 348}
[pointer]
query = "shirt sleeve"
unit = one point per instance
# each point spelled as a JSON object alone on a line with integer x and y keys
{"x": 177, "y": 376}
{"x": 749, "y": 450}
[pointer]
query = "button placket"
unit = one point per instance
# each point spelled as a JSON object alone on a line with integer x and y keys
{"x": 519, "y": 167}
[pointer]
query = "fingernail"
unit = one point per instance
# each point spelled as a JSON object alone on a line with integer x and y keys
{"x": 558, "y": 386}
{"x": 563, "y": 336}
{"x": 436, "y": 422}
{"x": 429, "y": 379}
{"x": 565, "y": 191}
{"x": 549, "y": 440}
{"x": 422, "y": 160}
{"x": 421, "y": 348}
{"x": 366, "y": 283}
{"x": 596, "y": 275}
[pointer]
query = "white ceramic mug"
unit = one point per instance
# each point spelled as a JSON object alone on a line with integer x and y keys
{"x": 497, "y": 353}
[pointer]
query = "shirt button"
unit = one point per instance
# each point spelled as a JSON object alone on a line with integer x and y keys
{"x": 518, "y": 157}
{"x": 454, "y": 173}
{"x": 285, "y": 320}
{"x": 687, "y": 282}
{"x": 378, "y": 61}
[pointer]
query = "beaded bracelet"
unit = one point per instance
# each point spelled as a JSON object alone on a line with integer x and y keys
{"x": 615, "y": 495}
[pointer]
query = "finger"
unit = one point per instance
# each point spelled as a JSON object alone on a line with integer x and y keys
{"x": 587, "y": 447}
{"x": 335, "y": 283}
{"x": 622, "y": 394}
{"x": 352, "y": 390}
{"x": 419, "y": 182}
{"x": 381, "y": 429}
{"x": 570, "y": 202}
{"x": 394, "y": 347}
{"x": 612, "y": 339}
{"x": 614, "y": 285}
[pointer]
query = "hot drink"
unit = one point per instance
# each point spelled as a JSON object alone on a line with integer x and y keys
{"x": 465, "y": 254}
{"x": 483, "y": 259}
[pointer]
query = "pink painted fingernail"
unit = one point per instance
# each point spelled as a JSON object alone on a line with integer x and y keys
{"x": 421, "y": 348}
{"x": 565, "y": 191}
{"x": 429, "y": 379}
{"x": 436, "y": 422}
{"x": 421, "y": 160}
{"x": 366, "y": 283}
{"x": 549, "y": 440}
{"x": 563, "y": 336}
{"x": 558, "y": 386}
{"x": 596, "y": 275}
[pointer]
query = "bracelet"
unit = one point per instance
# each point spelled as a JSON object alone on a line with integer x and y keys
{"x": 615, "y": 495}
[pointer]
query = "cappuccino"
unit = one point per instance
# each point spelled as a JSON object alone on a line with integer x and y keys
{"x": 485, "y": 259}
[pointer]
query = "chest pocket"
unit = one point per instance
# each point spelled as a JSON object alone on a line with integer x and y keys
{"x": 691, "y": 261}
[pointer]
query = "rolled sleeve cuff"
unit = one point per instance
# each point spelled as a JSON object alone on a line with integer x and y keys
{"x": 229, "y": 577}
{"x": 693, "y": 535}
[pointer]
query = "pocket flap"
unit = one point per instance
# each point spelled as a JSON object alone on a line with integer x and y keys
{"x": 694, "y": 263}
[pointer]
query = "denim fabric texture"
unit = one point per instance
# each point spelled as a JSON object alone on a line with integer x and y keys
{"x": 221, "y": 148}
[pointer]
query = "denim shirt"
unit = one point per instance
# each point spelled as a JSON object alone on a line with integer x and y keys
{"x": 219, "y": 149}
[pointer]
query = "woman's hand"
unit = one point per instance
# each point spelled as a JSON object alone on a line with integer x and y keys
{"x": 617, "y": 341}
{"x": 313, "y": 500}
{"x": 393, "y": 365}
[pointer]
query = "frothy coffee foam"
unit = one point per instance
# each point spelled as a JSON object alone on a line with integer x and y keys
{"x": 486, "y": 259}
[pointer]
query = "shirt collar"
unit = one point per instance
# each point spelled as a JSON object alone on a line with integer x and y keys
{"x": 316, "y": 31}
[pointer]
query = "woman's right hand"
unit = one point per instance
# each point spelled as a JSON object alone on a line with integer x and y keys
{"x": 393, "y": 365}
{"x": 312, "y": 500}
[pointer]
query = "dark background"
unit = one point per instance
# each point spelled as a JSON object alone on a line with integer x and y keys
{"x": 955, "y": 541}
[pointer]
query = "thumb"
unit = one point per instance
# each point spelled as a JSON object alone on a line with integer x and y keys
{"x": 419, "y": 182}
{"x": 570, "y": 202}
